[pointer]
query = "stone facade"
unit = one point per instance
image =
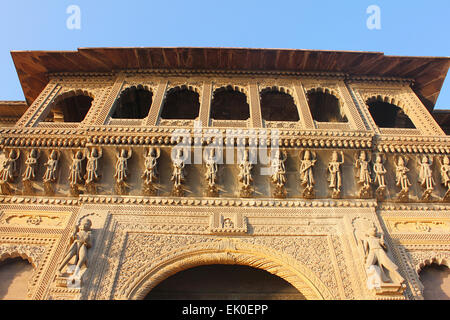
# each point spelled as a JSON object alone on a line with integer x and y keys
{"x": 315, "y": 242}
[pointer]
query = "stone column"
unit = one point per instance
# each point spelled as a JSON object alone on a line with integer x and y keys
{"x": 106, "y": 107}
{"x": 205, "y": 104}
{"x": 255, "y": 107}
{"x": 155, "y": 109}
{"x": 304, "y": 113}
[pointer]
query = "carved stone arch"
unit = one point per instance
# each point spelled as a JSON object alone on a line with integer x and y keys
{"x": 278, "y": 88}
{"x": 72, "y": 93}
{"x": 439, "y": 260}
{"x": 238, "y": 113}
{"x": 189, "y": 87}
{"x": 338, "y": 113}
{"x": 393, "y": 100}
{"x": 231, "y": 87}
{"x": 226, "y": 252}
{"x": 32, "y": 254}
{"x": 128, "y": 87}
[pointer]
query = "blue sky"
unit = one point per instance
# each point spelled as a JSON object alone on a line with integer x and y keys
{"x": 411, "y": 28}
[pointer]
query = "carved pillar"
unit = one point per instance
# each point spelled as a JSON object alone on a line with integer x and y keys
{"x": 353, "y": 116}
{"x": 255, "y": 108}
{"x": 35, "y": 112}
{"x": 155, "y": 109}
{"x": 100, "y": 116}
{"x": 303, "y": 107}
{"x": 205, "y": 104}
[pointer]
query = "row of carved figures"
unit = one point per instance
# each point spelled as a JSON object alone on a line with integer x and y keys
{"x": 368, "y": 173}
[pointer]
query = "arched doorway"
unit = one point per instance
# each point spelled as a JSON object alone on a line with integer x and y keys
{"x": 436, "y": 282}
{"x": 224, "y": 282}
{"x": 15, "y": 274}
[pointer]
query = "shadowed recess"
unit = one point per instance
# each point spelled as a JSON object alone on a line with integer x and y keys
{"x": 278, "y": 106}
{"x": 229, "y": 104}
{"x": 134, "y": 103}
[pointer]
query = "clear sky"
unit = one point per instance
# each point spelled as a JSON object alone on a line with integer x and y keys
{"x": 411, "y": 28}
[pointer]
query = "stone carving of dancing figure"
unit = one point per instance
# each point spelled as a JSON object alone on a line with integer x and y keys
{"x": 380, "y": 179}
{"x": 8, "y": 170}
{"x": 50, "y": 171}
{"x": 150, "y": 174}
{"x": 121, "y": 174}
{"x": 445, "y": 176}
{"x": 211, "y": 173}
{"x": 363, "y": 174}
{"x": 334, "y": 169}
{"x": 426, "y": 176}
{"x": 92, "y": 165}
{"x": 8, "y": 166}
{"x": 307, "y": 163}
{"x": 51, "y": 166}
{"x": 178, "y": 173}
{"x": 401, "y": 173}
{"x": 30, "y": 162}
{"x": 278, "y": 177}
{"x": 245, "y": 175}
{"x": 80, "y": 243}
{"x": 377, "y": 258}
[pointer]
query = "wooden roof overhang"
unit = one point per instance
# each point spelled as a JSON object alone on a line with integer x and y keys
{"x": 427, "y": 73}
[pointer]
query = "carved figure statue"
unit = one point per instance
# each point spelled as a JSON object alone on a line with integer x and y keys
{"x": 363, "y": 166}
{"x": 122, "y": 165}
{"x": 334, "y": 169}
{"x": 30, "y": 162}
{"x": 8, "y": 166}
{"x": 92, "y": 165}
{"x": 51, "y": 166}
{"x": 81, "y": 241}
{"x": 178, "y": 169}
{"x": 151, "y": 162}
{"x": 245, "y": 167}
{"x": 426, "y": 173}
{"x": 306, "y": 168}
{"x": 445, "y": 172}
{"x": 76, "y": 168}
{"x": 375, "y": 255}
{"x": 228, "y": 223}
{"x": 279, "y": 168}
{"x": 401, "y": 174}
{"x": 211, "y": 169}
{"x": 380, "y": 171}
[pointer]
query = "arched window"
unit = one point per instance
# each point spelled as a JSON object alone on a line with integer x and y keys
{"x": 181, "y": 103}
{"x": 324, "y": 106}
{"x": 278, "y": 106}
{"x": 229, "y": 104}
{"x": 71, "y": 107}
{"x": 436, "y": 281}
{"x": 388, "y": 115}
{"x": 15, "y": 274}
{"x": 133, "y": 103}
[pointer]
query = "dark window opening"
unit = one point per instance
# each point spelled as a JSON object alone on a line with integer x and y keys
{"x": 71, "y": 109}
{"x": 325, "y": 107}
{"x": 229, "y": 104}
{"x": 181, "y": 103}
{"x": 387, "y": 115}
{"x": 134, "y": 103}
{"x": 278, "y": 106}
